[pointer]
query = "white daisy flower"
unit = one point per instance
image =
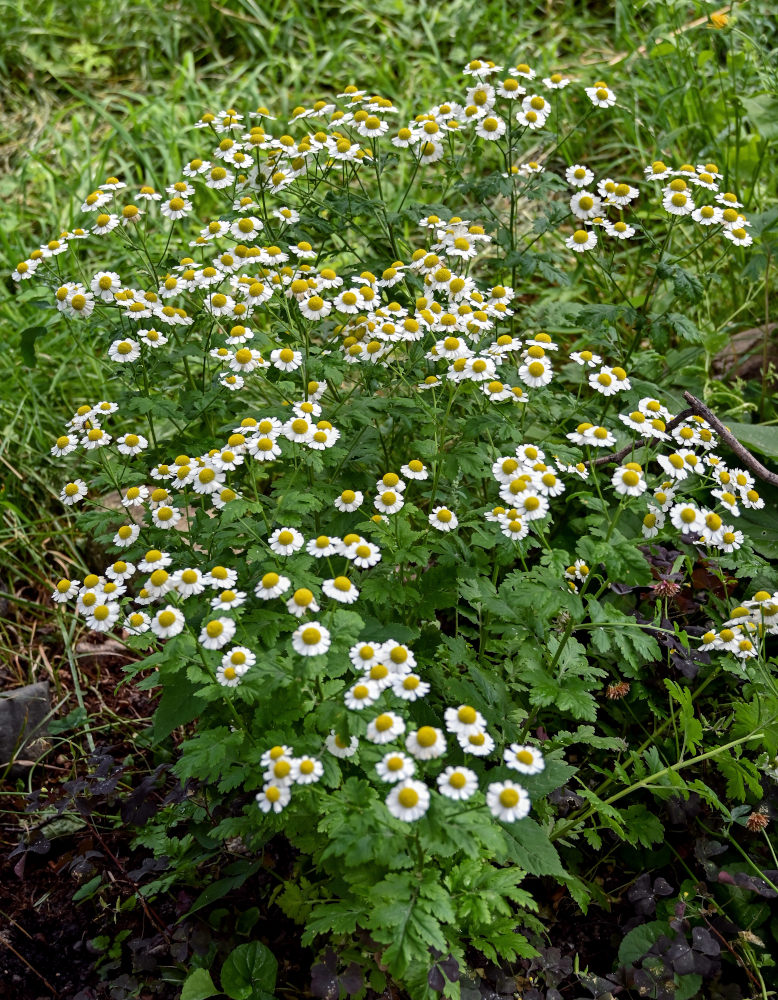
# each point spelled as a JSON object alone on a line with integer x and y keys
{"x": 586, "y": 358}
{"x": 273, "y": 797}
{"x": 264, "y": 449}
{"x": 365, "y": 655}
{"x": 620, "y": 230}
{"x": 216, "y": 633}
{"x": 286, "y": 541}
{"x": 124, "y": 351}
{"x": 476, "y": 742}
{"x": 426, "y": 743}
{"x": 653, "y": 522}
{"x": 585, "y": 205}
{"x": 306, "y": 770}
{"x": 311, "y": 640}
{"x": 600, "y": 95}
{"x": 74, "y": 492}
{"x": 507, "y": 801}
{"x": 579, "y": 176}
{"x": 136, "y": 623}
{"x": 385, "y": 728}
{"x": 131, "y": 444}
{"x": 64, "y": 445}
{"x": 536, "y": 373}
{"x": 302, "y": 601}
{"x": 338, "y": 748}
{"x": 581, "y": 240}
{"x": 240, "y": 658}
{"x": 410, "y": 687}
{"x": 398, "y": 656}
{"x": 388, "y": 502}
{"x": 279, "y": 771}
{"x": 102, "y": 616}
{"x": 167, "y": 622}
{"x": 524, "y": 759}
{"x": 340, "y": 588}
{"x": 361, "y": 695}
{"x": 628, "y": 480}
{"x": 275, "y": 753}
{"x": 463, "y": 719}
{"x": 349, "y": 500}
{"x": 126, "y": 535}
{"x": 687, "y": 518}
{"x": 408, "y": 800}
{"x": 395, "y": 766}
{"x": 323, "y": 546}
{"x": 221, "y": 578}
{"x": 298, "y": 430}
{"x": 365, "y": 555}
{"x": 120, "y": 571}
{"x": 443, "y": 519}
{"x": 458, "y": 783}
{"x": 228, "y": 599}
{"x": 227, "y": 675}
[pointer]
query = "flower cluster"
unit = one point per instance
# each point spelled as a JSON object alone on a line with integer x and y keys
{"x": 747, "y": 626}
{"x": 276, "y": 326}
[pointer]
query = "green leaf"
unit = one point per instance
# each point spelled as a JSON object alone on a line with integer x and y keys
{"x": 688, "y": 986}
{"x": 642, "y": 826}
{"x": 762, "y": 110}
{"x": 685, "y": 328}
{"x": 178, "y": 705}
{"x": 407, "y": 917}
{"x": 691, "y": 726}
{"x": 198, "y": 985}
{"x": 27, "y": 340}
{"x": 338, "y": 918}
{"x": 757, "y": 437}
{"x": 638, "y": 941}
{"x": 216, "y": 890}
{"x": 686, "y": 284}
{"x": 528, "y": 847}
{"x": 87, "y": 889}
{"x": 742, "y": 776}
{"x": 250, "y": 971}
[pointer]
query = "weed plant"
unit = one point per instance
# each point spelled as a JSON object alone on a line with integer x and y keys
{"x": 381, "y": 442}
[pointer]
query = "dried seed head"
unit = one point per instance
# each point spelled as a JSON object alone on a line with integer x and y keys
{"x": 616, "y": 691}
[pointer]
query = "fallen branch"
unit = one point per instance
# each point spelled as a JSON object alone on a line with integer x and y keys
{"x": 698, "y": 408}
{"x": 617, "y": 456}
{"x": 731, "y": 441}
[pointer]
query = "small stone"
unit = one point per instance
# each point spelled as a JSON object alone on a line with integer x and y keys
{"x": 23, "y": 716}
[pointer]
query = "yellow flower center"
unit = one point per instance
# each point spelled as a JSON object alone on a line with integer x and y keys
{"x": 509, "y": 798}
{"x": 303, "y": 597}
{"x": 426, "y": 736}
{"x": 408, "y": 798}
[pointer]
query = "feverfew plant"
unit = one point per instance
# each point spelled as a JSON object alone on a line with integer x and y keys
{"x": 391, "y": 543}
